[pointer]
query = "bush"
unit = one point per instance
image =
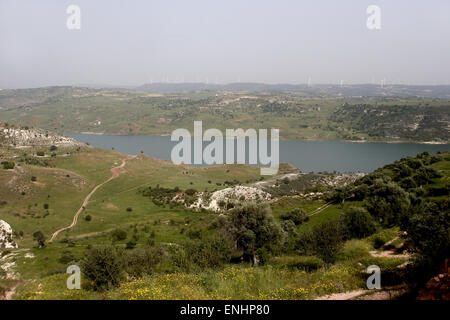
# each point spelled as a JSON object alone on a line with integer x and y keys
{"x": 40, "y": 153}
{"x": 130, "y": 245}
{"x": 388, "y": 203}
{"x": 88, "y": 218}
{"x": 8, "y": 165}
{"x": 66, "y": 257}
{"x": 190, "y": 192}
{"x": 129, "y": 209}
{"x": 378, "y": 242}
{"x": 119, "y": 235}
{"x": 429, "y": 232}
{"x": 40, "y": 238}
{"x": 141, "y": 262}
{"x": 358, "y": 223}
{"x": 104, "y": 267}
{"x": 33, "y": 178}
{"x": 298, "y": 216}
{"x": 212, "y": 252}
{"x": 323, "y": 240}
{"x": 288, "y": 226}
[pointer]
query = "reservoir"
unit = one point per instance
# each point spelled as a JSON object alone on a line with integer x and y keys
{"x": 306, "y": 155}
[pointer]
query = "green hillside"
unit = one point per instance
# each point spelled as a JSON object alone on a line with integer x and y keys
{"x": 301, "y": 116}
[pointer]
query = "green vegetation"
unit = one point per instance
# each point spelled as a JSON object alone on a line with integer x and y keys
{"x": 301, "y": 115}
{"x": 134, "y": 240}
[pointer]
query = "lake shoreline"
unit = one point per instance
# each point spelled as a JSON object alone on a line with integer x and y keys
{"x": 281, "y": 139}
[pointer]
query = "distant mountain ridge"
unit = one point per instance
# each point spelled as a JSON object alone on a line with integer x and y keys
{"x": 366, "y": 90}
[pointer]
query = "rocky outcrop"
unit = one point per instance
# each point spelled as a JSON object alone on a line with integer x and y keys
{"x": 227, "y": 198}
{"x": 26, "y": 137}
{"x": 6, "y": 236}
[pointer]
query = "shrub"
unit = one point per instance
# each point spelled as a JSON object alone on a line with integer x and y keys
{"x": 429, "y": 232}
{"x": 129, "y": 209}
{"x": 88, "y": 218}
{"x": 378, "y": 242}
{"x": 66, "y": 257}
{"x": 53, "y": 148}
{"x": 141, "y": 262}
{"x": 358, "y": 223}
{"x": 191, "y": 192}
{"x": 130, "y": 245}
{"x": 119, "y": 235}
{"x": 8, "y": 165}
{"x": 33, "y": 178}
{"x": 288, "y": 226}
{"x": 40, "y": 153}
{"x": 211, "y": 252}
{"x": 40, "y": 238}
{"x": 298, "y": 216}
{"x": 388, "y": 202}
{"x": 46, "y": 206}
{"x": 104, "y": 267}
{"x": 323, "y": 240}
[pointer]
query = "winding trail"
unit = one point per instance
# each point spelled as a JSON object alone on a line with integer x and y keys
{"x": 115, "y": 172}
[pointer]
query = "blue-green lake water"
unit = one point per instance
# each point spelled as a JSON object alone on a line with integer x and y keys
{"x": 306, "y": 155}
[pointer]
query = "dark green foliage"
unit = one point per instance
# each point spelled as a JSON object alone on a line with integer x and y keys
{"x": 388, "y": 203}
{"x": 104, "y": 266}
{"x": 66, "y": 257}
{"x": 378, "y": 242}
{"x": 324, "y": 240}
{"x": 40, "y": 238}
{"x": 358, "y": 223}
{"x": 252, "y": 227}
{"x": 191, "y": 192}
{"x": 142, "y": 261}
{"x": 437, "y": 191}
{"x": 119, "y": 235}
{"x": 8, "y": 165}
{"x": 88, "y": 218}
{"x": 288, "y": 226}
{"x": 298, "y": 216}
{"x": 360, "y": 192}
{"x": 130, "y": 244}
{"x": 429, "y": 232}
{"x": 211, "y": 252}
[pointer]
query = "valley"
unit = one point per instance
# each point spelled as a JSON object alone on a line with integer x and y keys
{"x": 83, "y": 199}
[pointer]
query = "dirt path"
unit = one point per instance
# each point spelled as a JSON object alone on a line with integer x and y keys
{"x": 320, "y": 209}
{"x": 344, "y": 295}
{"x": 115, "y": 172}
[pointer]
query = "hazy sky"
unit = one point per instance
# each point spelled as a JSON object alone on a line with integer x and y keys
{"x": 274, "y": 41}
